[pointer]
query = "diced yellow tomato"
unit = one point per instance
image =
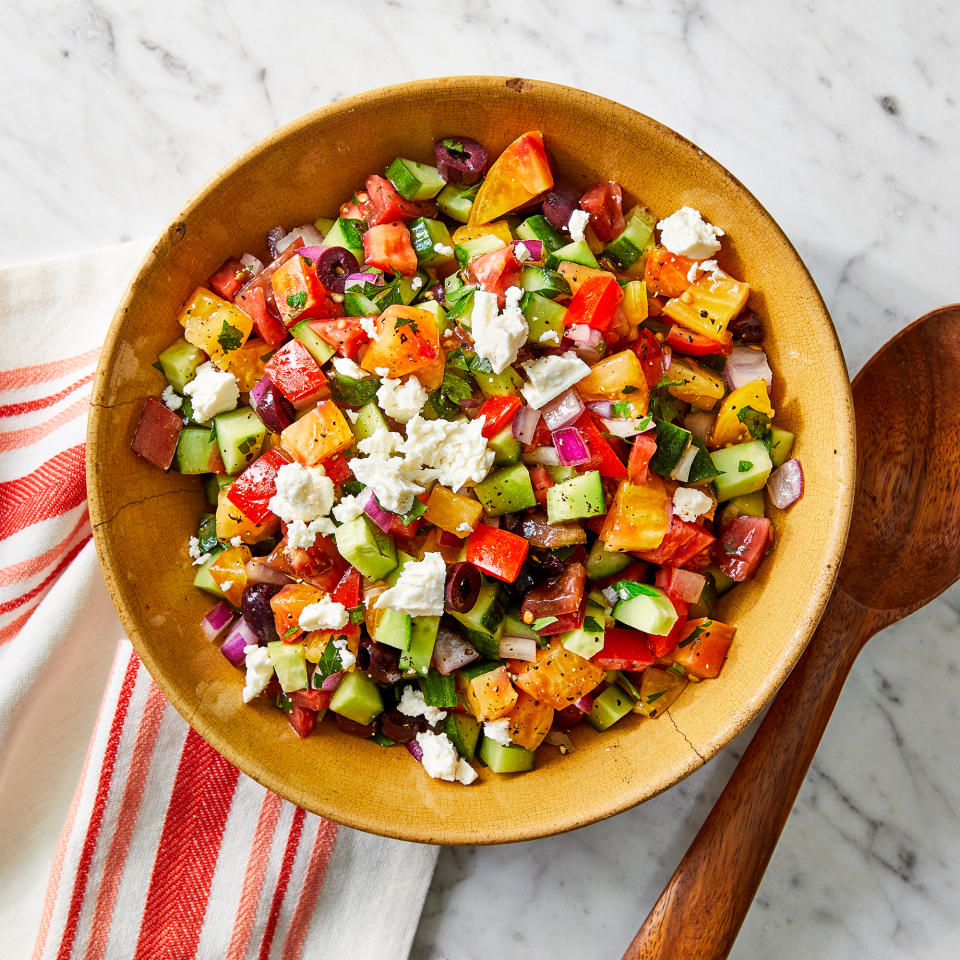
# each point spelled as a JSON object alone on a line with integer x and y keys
{"x": 318, "y": 434}
{"x": 315, "y": 642}
{"x": 246, "y": 363}
{"x": 658, "y": 690}
{"x": 708, "y": 305}
{"x": 287, "y": 605}
{"x": 639, "y": 517}
{"x": 406, "y": 342}
{"x": 576, "y": 274}
{"x": 372, "y": 615}
{"x": 430, "y": 374}
{"x": 214, "y": 325}
{"x": 558, "y": 677}
{"x": 520, "y": 174}
{"x": 449, "y": 511}
{"x": 617, "y": 377}
{"x": 229, "y": 572}
{"x": 529, "y": 721}
{"x": 698, "y": 386}
{"x": 727, "y": 428}
{"x": 635, "y": 306}
{"x": 491, "y": 695}
{"x": 233, "y": 522}
{"x": 500, "y": 229}
{"x": 703, "y": 647}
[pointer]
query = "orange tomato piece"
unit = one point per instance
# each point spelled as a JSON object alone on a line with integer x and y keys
{"x": 529, "y": 721}
{"x": 448, "y": 511}
{"x": 576, "y": 274}
{"x": 233, "y": 522}
{"x": 703, "y": 647}
{"x": 618, "y": 377}
{"x": 318, "y": 434}
{"x": 639, "y": 516}
{"x": 491, "y": 695}
{"x": 558, "y": 677}
{"x": 666, "y": 273}
{"x": 388, "y": 247}
{"x": 299, "y": 294}
{"x": 287, "y": 605}
{"x": 520, "y": 174}
{"x": 406, "y": 342}
{"x": 229, "y": 572}
{"x": 214, "y": 325}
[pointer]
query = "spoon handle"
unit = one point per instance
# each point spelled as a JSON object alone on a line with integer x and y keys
{"x": 702, "y": 907}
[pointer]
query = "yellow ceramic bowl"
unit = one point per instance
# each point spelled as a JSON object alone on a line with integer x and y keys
{"x": 142, "y": 518}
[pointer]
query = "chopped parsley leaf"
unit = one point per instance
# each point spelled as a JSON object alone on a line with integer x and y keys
{"x": 230, "y": 338}
{"x": 297, "y": 301}
{"x": 591, "y": 625}
{"x": 628, "y": 589}
{"x": 744, "y": 466}
{"x": 542, "y": 622}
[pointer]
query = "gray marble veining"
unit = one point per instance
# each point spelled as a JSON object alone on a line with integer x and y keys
{"x": 843, "y": 120}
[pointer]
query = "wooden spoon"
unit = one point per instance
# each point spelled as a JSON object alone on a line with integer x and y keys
{"x": 902, "y": 551}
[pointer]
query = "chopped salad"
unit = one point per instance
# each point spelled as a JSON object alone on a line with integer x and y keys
{"x": 481, "y": 455}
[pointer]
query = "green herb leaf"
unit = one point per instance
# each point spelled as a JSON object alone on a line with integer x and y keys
{"x": 282, "y": 701}
{"x": 454, "y": 147}
{"x": 655, "y": 696}
{"x": 457, "y": 360}
{"x": 452, "y": 390}
{"x": 621, "y": 409}
{"x": 356, "y": 614}
{"x": 230, "y": 338}
{"x": 678, "y": 668}
{"x": 591, "y": 625}
{"x": 418, "y": 509}
{"x": 381, "y": 741}
{"x": 628, "y": 589}
{"x": 693, "y": 637}
{"x": 624, "y": 681}
{"x": 542, "y": 622}
{"x": 297, "y": 301}
{"x": 407, "y": 322}
{"x": 757, "y": 423}
{"x": 157, "y": 365}
{"x": 661, "y": 405}
{"x": 292, "y": 631}
{"x": 744, "y": 466}
{"x": 328, "y": 664}
{"x": 480, "y": 364}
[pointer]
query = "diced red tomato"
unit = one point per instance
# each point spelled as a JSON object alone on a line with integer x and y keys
{"x": 296, "y": 375}
{"x": 567, "y": 718}
{"x": 695, "y": 344}
{"x": 400, "y": 529}
{"x": 642, "y": 450}
{"x": 498, "y": 413}
{"x": 226, "y": 281}
{"x": 650, "y": 353}
{"x": 541, "y": 483}
{"x": 666, "y": 273}
{"x": 254, "y": 488}
{"x": 604, "y": 203}
{"x": 703, "y": 647}
{"x": 565, "y": 621}
{"x": 299, "y": 294}
{"x": 252, "y": 302}
{"x": 542, "y": 437}
{"x": 157, "y": 434}
{"x": 302, "y": 719}
{"x": 388, "y": 247}
{"x": 387, "y": 204}
{"x": 682, "y": 541}
{"x": 337, "y": 468}
{"x": 321, "y": 565}
{"x": 347, "y": 591}
{"x": 661, "y": 646}
{"x": 496, "y": 552}
{"x": 345, "y": 334}
{"x": 623, "y": 649}
{"x": 683, "y": 584}
{"x": 497, "y": 271}
{"x": 602, "y": 456}
{"x": 311, "y": 699}
{"x": 741, "y": 547}
{"x": 636, "y": 571}
{"x": 594, "y": 304}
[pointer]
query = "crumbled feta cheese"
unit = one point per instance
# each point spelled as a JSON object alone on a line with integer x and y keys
{"x": 464, "y": 528}
{"x": 441, "y": 761}
{"x": 212, "y": 391}
{"x": 417, "y": 282}
{"x": 303, "y": 500}
{"x": 498, "y": 336}
{"x": 381, "y": 441}
{"x": 704, "y": 266}
{"x": 347, "y": 659}
{"x": 347, "y": 368}
{"x": 325, "y": 614}
{"x": 441, "y": 249}
{"x": 549, "y": 335}
{"x": 578, "y": 223}
{"x": 550, "y": 376}
{"x": 412, "y": 704}
{"x": 689, "y": 503}
{"x": 456, "y": 452}
{"x": 304, "y": 535}
{"x": 170, "y": 398}
{"x": 419, "y": 588}
{"x": 521, "y": 252}
{"x": 199, "y": 558}
{"x": 395, "y": 481}
{"x": 687, "y": 234}
{"x": 401, "y": 399}
{"x": 225, "y": 586}
{"x": 354, "y": 415}
{"x": 693, "y": 271}
{"x": 259, "y": 671}
{"x": 498, "y": 730}
{"x": 236, "y": 541}
{"x": 369, "y": 326}
{"x": 349, "y": 508}
{"x": 381, "y": 371}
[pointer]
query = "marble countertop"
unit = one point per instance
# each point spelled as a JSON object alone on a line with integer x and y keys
{"x": 841, "y": 118}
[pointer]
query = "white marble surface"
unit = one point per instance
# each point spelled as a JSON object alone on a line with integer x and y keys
{"x": 842, "y": 118}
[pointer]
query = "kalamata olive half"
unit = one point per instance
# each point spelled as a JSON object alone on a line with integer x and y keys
{"x": 256, "y": 609}
{"x": 748, "y": 327}
{"x": 401, "y": 728}
{"x": 463, "y": 587}
{"x": 271, "y": 406}
{"x": 356, "y": 729}
{"x": 380, "y": 662}
{"x": 460, "y": 159}
{"x": 334, "y": 266}
{"x": 559, "y": 203}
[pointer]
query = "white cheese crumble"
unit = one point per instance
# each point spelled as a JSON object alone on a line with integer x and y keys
{"x": 705, "y": 266}
{"x": 349, "y": 508}
{"x": 550, "y": 376}
{"x": 236, "y": 541}
{"x": 196, "y": 555}
{"x": 549, "y": 335}
{"x": 212, "y": 391}
{"x": 417, "y": 282}
{"x": 369, "y": 326}
{"x": 325, "y": 614}
{"x": 497, "y": 730}
{"x": 412, "y": 704}
{"x": 347, "y": 659}
{"x": 464, "y": 528}
{"x": 441, "y": 761}
{"x": 419, "y": 588}
{"x": 303, "y": 536}
{"x": 381, "y": 441}
{"x": 381, "y": 371}
{"x": 498, "y": 336}
{"x": 170, "y": 398}
{"x": 578, "y": 223}
{"x": 225, "y": 586}
{"x": 441, "y": 249}
{"x": 687, "y": 234}
{"x": 347, "y": 368}
{"x": 259, "y": 671}
{"x": 690, "y": 503}
{"x": 303, "y": 501}
{"x": 401, "y": 399}
{"x": 456, "y": 452}
{"x": 395, "y": 481}
{"x": 521, "y": 252}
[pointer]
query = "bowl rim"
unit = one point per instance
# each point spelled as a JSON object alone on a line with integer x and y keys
{"x": 748, "y": 709}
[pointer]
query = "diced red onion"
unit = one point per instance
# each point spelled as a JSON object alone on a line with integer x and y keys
{"x": 534, "y": 248}
{"x": 627, "y": 428}
{"x": 525, "y": 424}
{"x": 312, "y": 252}
{"x": 557, "y": 738}
{"x": 382, "y": 518}
{"x": 745, "y": 365}
{"x": 240, "y": 636}
{"x": 667, "y": 359}
{"x": 251, "y": 264}
{"x": 332, "y": 682}
{"x": 681, "y": 471}
{"x": 603, "y": 408}
{"x": 258, "y": 572}
{"x": 309, "y": 236}
{"x": 216, "y": 620}
{"x": 785, "y": 485}
{"x": 585, "y": 335}
{"x": 571, "y": 447}
{"x": 585, "y": 703}
{"x": 518, "y": 648}
{"x": 451, "y": 652}
{"x": 470, "y": 404}
{"x": 545, "y": 456}
{"x": 359, "y": 279}
{"x": 563, "y": 410}
{"x": 699, "y": 423}
{"x": 415, "y": 750}
{"x": 491, "y": 521}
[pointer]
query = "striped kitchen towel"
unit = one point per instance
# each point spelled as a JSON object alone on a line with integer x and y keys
{"x": 167, "y": 851}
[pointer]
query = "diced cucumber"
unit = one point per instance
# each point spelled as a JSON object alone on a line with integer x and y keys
{"x": 179, "y": 362}
{"x": 604, "y": 563}
{"x": 707, "y": 603}
{"x": 464, "y": 732}
{"x": 781, "y": 443}
{"x": 577, "y": 252}
{"x": 194, "y": 450}
{"x": 204, "y": 580}
{"x": 702, "y": 467}
{"x": 501, "y": 759}
{"x": 625, "y": 250}
{"x": 505, "y": 446}
{"x": 324, "y": 224}
{"x": 457, "y": 202}
{"x": 313, "y": 343}
{"x": 347, "y": 234}
{"x": 505, "y": 384}
{"x": 750, "y": 505}
{"x": 431, "y": 306}
{"x": 357, "y": 698}
{"x": 508, "y": 490}
{"x": 651, "y": 612}
{"x": 612, "y": 705}
{"x": 744, "y": 468}
{"x": 438, "y": 689}
{"x": 587, "y": 639}
{"x": 359, "y": 305}
{"x": 394, "y": 629}
{"x": 513, "y": 626}
{"x": 538, "y": 227}
{"x": 415, "y": 181}
{"x": 369, "y": 421}
{"x": 548, "y": 283}
{"x": 212, "y": 485}
{"x": 474, "y": 670}
{"x": 240, "y": 436}
{"x": 483, "y": 621}
{"x": 582, "y": 496}
{"x": 289, "y": 663}
{"x": 420, "y": 649}
{"x": 454, "y": 289}
{"x": 374, "y": 556}
{"x": 558, "y": 473}
{"x": 672, "y": 441}
{"x": 424, "y": 235}
{"x": 406, "y": 289}
{"x": 486, "y": 243}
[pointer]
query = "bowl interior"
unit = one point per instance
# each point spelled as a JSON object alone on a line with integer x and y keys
{"x": 142, "y": 518}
